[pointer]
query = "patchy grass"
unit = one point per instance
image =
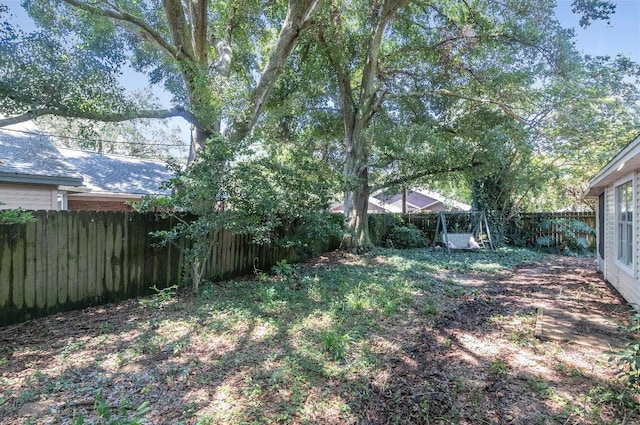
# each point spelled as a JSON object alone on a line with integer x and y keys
{"x": 413, "y": 336}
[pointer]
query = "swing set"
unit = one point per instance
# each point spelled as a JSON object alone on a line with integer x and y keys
{"x": 475, "y": 236}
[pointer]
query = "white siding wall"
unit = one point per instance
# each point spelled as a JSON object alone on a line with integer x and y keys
{"x": 28, "y": 197}
{"x": 601, "y": 255}
{"x": 610, "y": 268}
{"x": 629, "y": 285}
{"x": 625, "y": 282}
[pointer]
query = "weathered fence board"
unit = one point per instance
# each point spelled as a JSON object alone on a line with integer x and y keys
{"x": 51, "y": 264}
{"x": 18, "y": 268}
{"x": 5, "y": 268}
{"x": 72, "y": 256}
{"x": 30, "y": 274}
{"x": 63, "y": 258}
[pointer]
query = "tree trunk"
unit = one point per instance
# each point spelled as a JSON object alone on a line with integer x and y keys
{"x": 356, "y": 197}
{"x": 358, "y": 109}
{"x": 357, "y": 237}
{"x": 199, "y": 139}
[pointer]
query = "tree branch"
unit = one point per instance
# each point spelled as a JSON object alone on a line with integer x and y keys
{"x": 380, "y": 18}
{"x": 424, "y": 173}
{"x": 345, "y": 99}
{"x": 298, "y": 18}
{"x": 104, "y": 117}
{"x": 503, "y": 106}
{"x": 198, "y": 22}
{"x": 178, "y": 27}
{"x": 131, "y": 24}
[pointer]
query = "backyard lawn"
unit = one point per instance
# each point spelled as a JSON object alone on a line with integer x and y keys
{"x": 406, "y": 337}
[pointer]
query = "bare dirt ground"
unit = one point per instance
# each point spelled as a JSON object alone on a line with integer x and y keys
{"x": 524, "y": 347}
{"x": 495, "y": 368}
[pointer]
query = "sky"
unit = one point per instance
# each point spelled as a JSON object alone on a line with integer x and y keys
{"x": 620, "y": 36}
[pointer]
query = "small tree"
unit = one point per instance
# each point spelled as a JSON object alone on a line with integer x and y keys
{"x": 277, "y": 200}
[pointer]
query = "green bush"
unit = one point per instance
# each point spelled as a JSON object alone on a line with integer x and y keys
{"x": 407, "y": 236}
{"x": 16, "y": 216}
{"x": 574, "y": 233}
{"x": 379, "y": 225}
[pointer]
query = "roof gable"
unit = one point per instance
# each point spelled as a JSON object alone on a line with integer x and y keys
{"x": 418, "y": 199}
{"x": 28, "y": 156}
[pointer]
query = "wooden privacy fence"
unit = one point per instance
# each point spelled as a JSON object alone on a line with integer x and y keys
{"x": 532, "y": 224}
{"x": 72, "y": 259}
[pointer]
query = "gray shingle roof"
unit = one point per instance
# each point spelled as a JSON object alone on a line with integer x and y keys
{"x": 418, "y": 199}
{"x": 27, "y": 156}
{"x": 118, "y": 174}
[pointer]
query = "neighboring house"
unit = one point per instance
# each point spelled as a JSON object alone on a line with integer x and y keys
{"x": 374, "y": 207}
{"x": 33, "y": 174}
{"x": 415, "y": 200}
{"x": 112, "y": 181}
{"x": 616, "y": 187}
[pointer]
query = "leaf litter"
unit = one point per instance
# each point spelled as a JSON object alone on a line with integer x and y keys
{"x": 391, "y": 337}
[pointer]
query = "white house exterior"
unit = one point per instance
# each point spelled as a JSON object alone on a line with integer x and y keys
{"x": 33, "y": 175}
{"x": 617, "y": 189}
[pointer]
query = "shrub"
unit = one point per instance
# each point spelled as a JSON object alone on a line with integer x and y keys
{"x": 407, "y": 236}
{"x": 574, "y": 233}
{"x": 275, "y": 201}
{"x": 379, "y": 225}
{"x": 15, "y": 216}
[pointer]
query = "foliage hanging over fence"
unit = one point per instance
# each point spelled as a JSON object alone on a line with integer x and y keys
{"x": 271, "y": 199}
{"x": 15, "y": 216}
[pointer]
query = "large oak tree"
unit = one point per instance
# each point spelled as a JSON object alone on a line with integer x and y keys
{"x": 219, "y": 59}
{"x": 427, "y": 87}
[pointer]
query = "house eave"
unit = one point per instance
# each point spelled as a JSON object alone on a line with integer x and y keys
{"x": 36, "y": 179}
{"x": 622, "y": 164}
{"x": 74, "y": 189}
{"x": 97, "y": 194}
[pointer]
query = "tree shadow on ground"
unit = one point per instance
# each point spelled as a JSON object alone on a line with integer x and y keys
{"x": 389, "y": 338}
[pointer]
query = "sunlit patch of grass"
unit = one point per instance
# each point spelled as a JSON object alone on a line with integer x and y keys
{"x": 524, "y": 318}
{"x": 491, "y": 268}
{"x": 541, "y": 386}
{"x": 335, "y": 343}
{"x": 359, "y": 298}
{"x": 263, "y": 330}
{"x": 499, "y": 367}
{"x": 429, "y": 309}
